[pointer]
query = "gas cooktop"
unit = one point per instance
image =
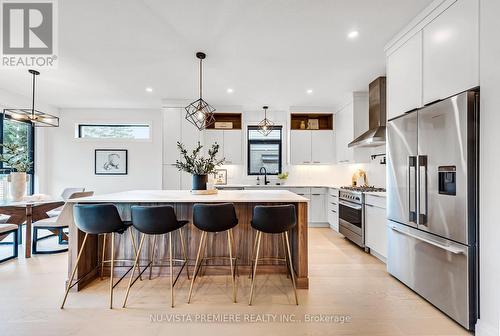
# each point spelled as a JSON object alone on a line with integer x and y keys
{"x": 363, "y": 189}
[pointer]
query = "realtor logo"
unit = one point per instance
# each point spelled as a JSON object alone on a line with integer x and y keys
{"x": 28, "y": 33}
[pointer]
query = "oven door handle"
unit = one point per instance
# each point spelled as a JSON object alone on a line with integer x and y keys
{"x": 350, "y": 205}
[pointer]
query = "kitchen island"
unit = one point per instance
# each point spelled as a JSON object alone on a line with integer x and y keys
{"x": 182, "y": 201}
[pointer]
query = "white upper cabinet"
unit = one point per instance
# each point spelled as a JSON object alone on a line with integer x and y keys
{"x": 230, "y": 142}
{"x": 350, "y": 122}
{"x": 322, "y": 147}
{"x": 190, "y": 134}
{"x": 345, "y": 133}
{"x": 211, "y": 137}
{"x": 300, "y": 147}
{"x": 436, "y": 57}
{"x": 404, "y": 77}
{"x": 451, "y": 51}
{"x": 232, "y": 146}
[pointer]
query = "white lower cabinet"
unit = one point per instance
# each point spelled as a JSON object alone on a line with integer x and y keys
{"x": 317, "y": 207}
{"x": 375, "y": 226}
{"x": 332, "y": 208}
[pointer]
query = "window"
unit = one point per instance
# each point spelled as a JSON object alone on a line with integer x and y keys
{"x": 23, "y": 134}
{"x": 264, "y": 151}
{"x": 119, "y": 131}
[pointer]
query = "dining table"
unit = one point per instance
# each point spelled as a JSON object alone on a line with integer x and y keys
{"x": 27, "y": 212}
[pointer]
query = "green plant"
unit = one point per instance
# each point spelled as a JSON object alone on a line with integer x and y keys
{"x": 283, "y": 176}
{"x": 195, "y": 164}
{"x": 16, "y": 157}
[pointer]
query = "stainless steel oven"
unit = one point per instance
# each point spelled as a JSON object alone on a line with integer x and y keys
{"x": 352, "y": 217}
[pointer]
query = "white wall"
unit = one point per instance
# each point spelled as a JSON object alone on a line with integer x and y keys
{"x": 490, "y": 163}
{"x": 70, "y": 161}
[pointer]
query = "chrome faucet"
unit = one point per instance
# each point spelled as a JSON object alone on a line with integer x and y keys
{"x": 266, "y": 182}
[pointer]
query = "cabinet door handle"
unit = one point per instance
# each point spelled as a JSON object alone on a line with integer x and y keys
{"x": 333, "y": 211}
{"x": 316, "y": 194}
{"x": 316, "y": 161}
{"x": 305, "y": 161}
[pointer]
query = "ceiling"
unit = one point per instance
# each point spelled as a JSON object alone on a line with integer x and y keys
{"x": 268, "y": 52}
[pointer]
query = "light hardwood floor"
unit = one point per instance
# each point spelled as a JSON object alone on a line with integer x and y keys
{"x": 344, "y": 281}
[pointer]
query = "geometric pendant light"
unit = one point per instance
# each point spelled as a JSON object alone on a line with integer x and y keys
{"x": 35, "y": 117}
{"x": 200, "y": 113}
{"x": 266, "y": 125}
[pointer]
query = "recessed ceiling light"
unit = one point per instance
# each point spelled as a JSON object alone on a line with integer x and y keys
{"x": 149, "y": 89}
{"x": 309, "y": 91}
{"x": 353, "y": 34}
{"x": 229, "y": 90}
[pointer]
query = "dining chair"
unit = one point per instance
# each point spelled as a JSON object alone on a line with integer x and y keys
{"x": 56, "y": 226}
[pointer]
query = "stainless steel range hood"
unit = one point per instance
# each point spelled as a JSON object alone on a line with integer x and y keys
{"x": 375, "y": 136}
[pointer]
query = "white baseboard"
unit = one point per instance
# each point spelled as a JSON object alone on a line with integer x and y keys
{"x": 378, "y": 256}
{"x": 483, "y": 329}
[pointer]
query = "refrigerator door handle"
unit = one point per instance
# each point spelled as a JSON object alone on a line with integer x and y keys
{"x": 412, "y": 189}
{"x": 452, "y": 249}
{"x": 422, "y": 185}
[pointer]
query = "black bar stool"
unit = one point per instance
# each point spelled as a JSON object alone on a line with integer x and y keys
{"x": 273, "y": 219}
{"x": 99, "y": 219}
{"x": 154, "y": 221}
{"x": 214, "y": 218}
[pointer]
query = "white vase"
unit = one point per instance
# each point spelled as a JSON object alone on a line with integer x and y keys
{"x": 17, "y": 185}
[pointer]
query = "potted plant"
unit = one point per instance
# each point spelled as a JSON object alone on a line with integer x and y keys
{"x": 282, "y": 177}
{"x": 17, "y": 159}
{"x": 197, "y": 165}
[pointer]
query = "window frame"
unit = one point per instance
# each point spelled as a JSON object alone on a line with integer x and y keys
{"x": 265, "y": 142}
{"x": 79, "y": 125}
{"x": 31, "y": 151}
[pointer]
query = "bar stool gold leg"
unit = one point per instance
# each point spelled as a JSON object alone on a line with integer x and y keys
{"x": 133, "y": 270}
{"x": 74, "y": 271}
{"x": 291, "y": 268}
{"x": 259, "y": 235}
{"x": 196, "y": 265}
{"x": 229, "y": 244}
{"x": 285, "y": 253}
{"x": 132, "y": 237}
{"x": 250, "y": 275}
{"x": 171, "y": 270}
{"x": 103, "y": 254}
{"x": 112, "y": 271}
{"x": 152, "y": 257}
{"x": 181, "y": 236}
{"x": 236, "y": 272}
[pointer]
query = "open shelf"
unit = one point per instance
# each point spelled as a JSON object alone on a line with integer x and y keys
{"x": 235, "y": 118}
{"x": 325, "y": 120}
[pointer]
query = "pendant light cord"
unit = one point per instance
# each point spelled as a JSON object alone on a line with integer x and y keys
{"x": 33, "y": 98}
{"x": 201, "y": 77}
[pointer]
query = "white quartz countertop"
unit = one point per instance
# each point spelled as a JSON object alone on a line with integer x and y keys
{"x": 185, "y": 196}
{"x": 276, "y": 186}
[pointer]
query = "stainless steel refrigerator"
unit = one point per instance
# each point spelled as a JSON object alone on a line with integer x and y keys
{"x": 432, "y": 203}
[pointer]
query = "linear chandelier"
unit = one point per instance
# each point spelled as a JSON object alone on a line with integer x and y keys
{"x": 35, "y": 117}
